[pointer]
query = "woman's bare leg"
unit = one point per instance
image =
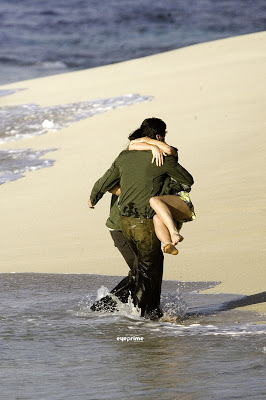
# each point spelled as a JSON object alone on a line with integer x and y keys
{"x": 171, "y": 208}
{"x": 163, "y": 235}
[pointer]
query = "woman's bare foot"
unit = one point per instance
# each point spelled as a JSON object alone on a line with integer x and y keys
{"x": 170, "y": 249}
{"x": 176, "y": 238}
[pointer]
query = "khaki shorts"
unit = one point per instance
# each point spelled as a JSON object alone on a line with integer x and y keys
{"x": 186, "y": 198}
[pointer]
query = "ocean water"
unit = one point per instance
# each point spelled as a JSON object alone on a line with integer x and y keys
{"x": 53, "y": 347}
{"x": 40, "y": 38}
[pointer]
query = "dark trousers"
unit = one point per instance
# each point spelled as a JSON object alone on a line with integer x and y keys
{"x": 126, "y": 286}
{"x": 141, "y": 250}
{"x": 147, "y": 276}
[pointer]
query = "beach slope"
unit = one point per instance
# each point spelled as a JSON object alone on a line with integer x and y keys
{"x": 213, "y": 99}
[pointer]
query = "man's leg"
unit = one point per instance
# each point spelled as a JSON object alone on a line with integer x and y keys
{"x": 142, "y": 238}
{"x": 124, "y": 287}
{"x": 122, "y": 245}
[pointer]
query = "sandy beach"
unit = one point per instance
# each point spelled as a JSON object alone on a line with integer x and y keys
{"x": 212, "y": 97}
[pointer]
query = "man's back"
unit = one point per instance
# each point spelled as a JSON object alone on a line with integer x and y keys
{"x": 140, "y": 179}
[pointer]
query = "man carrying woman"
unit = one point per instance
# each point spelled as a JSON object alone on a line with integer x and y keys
{"x": 140, "y": 182}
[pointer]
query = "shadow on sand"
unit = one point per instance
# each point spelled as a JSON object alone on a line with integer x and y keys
{"x": 227, "y": 305}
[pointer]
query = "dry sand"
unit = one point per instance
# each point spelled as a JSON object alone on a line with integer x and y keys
{"x": 212, "y": 97}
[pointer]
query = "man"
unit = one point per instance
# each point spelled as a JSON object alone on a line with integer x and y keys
{"x": 139, "y": 180}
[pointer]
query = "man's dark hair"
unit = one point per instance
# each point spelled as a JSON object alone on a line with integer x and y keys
{"x": 150, "y": 127}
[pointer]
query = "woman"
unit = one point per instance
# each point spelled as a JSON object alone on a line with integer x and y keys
{"x": 171, "y": 209}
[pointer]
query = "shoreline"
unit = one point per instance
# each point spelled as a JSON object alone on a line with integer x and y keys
{"x": 252, "y": 302}
{"x": 212, "y": 97}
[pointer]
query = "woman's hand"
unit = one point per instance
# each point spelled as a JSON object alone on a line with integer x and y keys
{"x": 157, "y": 155}
{"x": 158, "y": 152}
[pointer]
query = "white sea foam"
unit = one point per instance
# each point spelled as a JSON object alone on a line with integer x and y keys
{"x": 235, "y": 330}
{"x": 27, "y": 120}
{"x": 47, "y": 124}
{"x": 14, "y": 162}
{"x": 128, "y": 309}
{"x": 102, "y": 292}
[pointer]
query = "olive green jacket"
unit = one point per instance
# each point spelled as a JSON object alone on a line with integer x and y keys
{"x": 139, "y": 181}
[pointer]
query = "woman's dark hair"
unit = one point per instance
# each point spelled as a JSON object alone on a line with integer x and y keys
{"x": 150, "y": 127}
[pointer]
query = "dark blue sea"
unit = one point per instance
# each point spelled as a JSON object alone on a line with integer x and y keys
{"x": 39, "y": 38}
